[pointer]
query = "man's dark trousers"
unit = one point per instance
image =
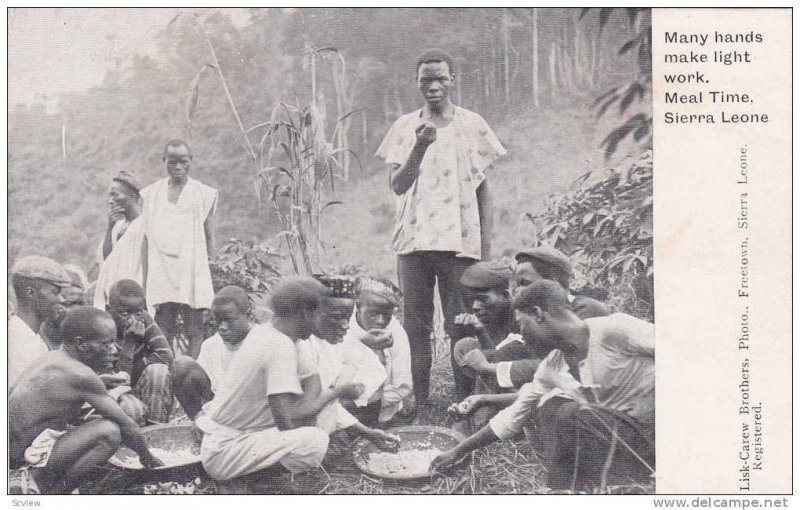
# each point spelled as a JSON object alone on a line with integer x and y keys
{"x": 418, "y": 273}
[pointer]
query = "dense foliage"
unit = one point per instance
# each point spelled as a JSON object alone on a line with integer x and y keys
{"x": 250, "y": 265}
{"x": 605, "y": 225}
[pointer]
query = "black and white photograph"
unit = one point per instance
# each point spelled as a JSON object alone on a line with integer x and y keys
{"x": 330, "y": 251}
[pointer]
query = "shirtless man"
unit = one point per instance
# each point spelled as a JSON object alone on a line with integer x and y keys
{"x": 52, "y": 392}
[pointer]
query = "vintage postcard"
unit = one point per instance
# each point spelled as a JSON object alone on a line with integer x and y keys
{"x": 408, "y": 251}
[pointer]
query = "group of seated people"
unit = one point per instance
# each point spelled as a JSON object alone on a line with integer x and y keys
{"x": 577, "y": 379}
{"x": 332, "y": 358}
{"x": 332, "y": 361}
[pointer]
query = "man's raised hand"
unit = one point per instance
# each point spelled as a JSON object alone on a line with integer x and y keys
{"x": 114, "y": 215}
{"x": 426, "y": 133}
{"x": 378, "y": 339}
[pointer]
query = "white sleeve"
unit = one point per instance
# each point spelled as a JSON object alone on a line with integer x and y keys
{"x": 343, "y": 418}
{"x": 504, "y": 374}
{"x": 509, "y": 421}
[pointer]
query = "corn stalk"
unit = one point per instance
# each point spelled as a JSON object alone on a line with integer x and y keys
{"x": 292, "y": 163}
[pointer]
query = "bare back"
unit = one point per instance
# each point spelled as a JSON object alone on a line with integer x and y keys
{"x": 48, "y": 396}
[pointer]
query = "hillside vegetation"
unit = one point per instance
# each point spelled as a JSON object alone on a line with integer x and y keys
{"x": 57, "y": 183}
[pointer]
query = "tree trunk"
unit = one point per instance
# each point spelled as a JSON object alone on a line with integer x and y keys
{"x": 314, "y": 79}
{"x": 493, "y": 86}
{"x": 387, "y": 118}
{"x": 553, "y": 78}
{"x": 535, "y": 61}
{"x": 364, "y": 132}
{"x": 505, "y": 31}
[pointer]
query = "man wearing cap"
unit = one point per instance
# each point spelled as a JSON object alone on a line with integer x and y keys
{"x": 511, "y": 367}
{"x": 485, "y": 287}
{"x": 46, "y": 453}
{"x": 123, "y": 253}
{"x": 438, "y": 156}
{"x": 373, "y": 324}
{"x": 592, "y": 397}
{"x": 338, "y": 363}
{"x": 74, "y": 295}
{"x": 37, "y": 283}
{"x": 178, "y": 215}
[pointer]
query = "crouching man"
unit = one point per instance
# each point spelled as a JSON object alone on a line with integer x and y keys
{"x": 49, "y": 456}
{"x": 248, "y": 425}
{"x": 592, "y": 398}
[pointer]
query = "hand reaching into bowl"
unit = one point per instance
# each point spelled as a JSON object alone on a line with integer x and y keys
{"x": 150, "y": 461}
{"x": 383, "y": 440}
{"x": 446, "y": 459}
{"x": 465, "y": 407}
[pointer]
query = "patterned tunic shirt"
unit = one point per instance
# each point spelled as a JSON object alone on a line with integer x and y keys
{"x": 439, "y": 212}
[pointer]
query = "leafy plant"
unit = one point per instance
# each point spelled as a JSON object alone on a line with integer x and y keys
{"x": 291, "y": 163}
{"x": 638, "y": 126}
{"x": 605, "y": 226}
{"x": 249, "y": 265}
{"x": 297, "y": 162}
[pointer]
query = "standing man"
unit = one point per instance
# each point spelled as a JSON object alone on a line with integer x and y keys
{"x": 123, "y": 253}
{"x": 178, "y": 214}
{"x": 37, "y": 283}
{"x": 437, "y": 156}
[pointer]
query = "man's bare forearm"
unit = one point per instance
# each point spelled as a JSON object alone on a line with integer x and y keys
{"x": 314, "y": 399}
{"x": 483, "y": 437}
{"x": 499, "y": 399}
{"x": 208, "y": 227}
{"x": 404, "y": 176}
{"x": 107, "y": 242}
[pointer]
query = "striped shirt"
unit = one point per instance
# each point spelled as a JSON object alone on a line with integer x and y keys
{"x": 136, "y": 352}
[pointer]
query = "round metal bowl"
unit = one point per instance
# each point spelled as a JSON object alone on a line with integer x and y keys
{"x": 420, "y": 437}
{"x": 170, "y": 437}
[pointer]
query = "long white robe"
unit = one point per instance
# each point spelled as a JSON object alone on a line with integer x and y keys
{"x": 123, "y": 263}
{"x": 177, "y": 258}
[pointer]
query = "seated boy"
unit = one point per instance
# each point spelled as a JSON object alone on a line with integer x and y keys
{"x": 250, "y": 424}
{"x": 373, "y": 324}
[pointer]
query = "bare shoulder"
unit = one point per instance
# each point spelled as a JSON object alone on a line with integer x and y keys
{"x": 77, "y": 375}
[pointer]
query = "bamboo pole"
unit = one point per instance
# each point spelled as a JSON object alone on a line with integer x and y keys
{"x": 227, "y": 91}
